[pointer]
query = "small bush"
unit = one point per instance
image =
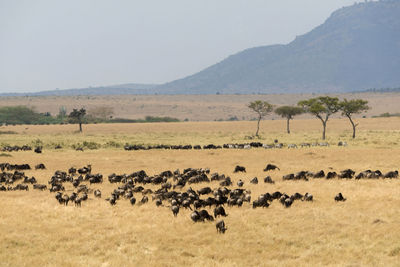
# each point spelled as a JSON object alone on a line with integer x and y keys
{"x": 91, "y": 145}
{"x": 113, "y": 144}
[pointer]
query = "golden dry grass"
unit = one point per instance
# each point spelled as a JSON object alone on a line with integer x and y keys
{"x": 36, "y": 231}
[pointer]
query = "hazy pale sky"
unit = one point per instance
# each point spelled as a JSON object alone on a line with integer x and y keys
{"x": 48, "y": 44}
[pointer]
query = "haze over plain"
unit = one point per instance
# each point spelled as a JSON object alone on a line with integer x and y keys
{"x": 47, "y": 44}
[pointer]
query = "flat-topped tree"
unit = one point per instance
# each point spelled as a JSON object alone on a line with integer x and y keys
{"x": 289, "y": 112}
{"x": 321, "y": 107}
{"x": 77, "y": 116}
{"x": 351, "y": 107}
{"x": 262, "y": 108}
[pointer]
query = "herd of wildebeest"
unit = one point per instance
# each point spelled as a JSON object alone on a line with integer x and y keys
{"x": 173, "y": 188}
{"x": 128, "y": 147}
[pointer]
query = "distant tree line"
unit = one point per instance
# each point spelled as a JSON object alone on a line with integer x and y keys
{"x": 321, "y": 107}
{"x": 15, "y": 115}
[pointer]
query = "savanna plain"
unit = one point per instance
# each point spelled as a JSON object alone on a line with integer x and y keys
{"x": 35, "y": 230}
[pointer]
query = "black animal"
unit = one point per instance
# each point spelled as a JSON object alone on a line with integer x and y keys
{"x": 308, "y": 197}
{"x": 40, "y": 167}
{"x": 239, "y": 169}
{"x": 38, "y": 149}
{"x": 175, "y": 210}
{"x": 204, "y": 191}
{"x": 40, "y": 186}
{"x": 331, "y": 175}
{"x": 78, "y": 202}
{"x": 221, "y": 228}
{"x": 240, "y": 183}
{"x": 339, "y": 197}
{"x": 254, "y": 180}
{"x": 219, "y": 211}
{"x": 97, "y": 193}
{"x": 132, "y": 200}
{"x": 268, "y": 180}
{"x": 196, "y": 217}
{"x": 144, "y": 200}
{"x": 271, "y": 167}
{"x": 206, "y": 216}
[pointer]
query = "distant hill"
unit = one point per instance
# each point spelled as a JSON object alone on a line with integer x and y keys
{"x": 122, "y": 89}
{"x": 358, "y": 47}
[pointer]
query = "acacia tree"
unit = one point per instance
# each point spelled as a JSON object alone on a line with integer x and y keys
{"x": 321, "y": 107}
{"x": 262, "y": 108}
{"x": 289, "y": 112}
{"x": 354, "y": 106}
{"x": 77, "y": 116}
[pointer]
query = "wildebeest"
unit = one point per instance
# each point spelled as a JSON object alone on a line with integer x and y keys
{"x": 40, "y": 186}
{"x": 38, "y": 149}
{"x": 144, "y": 200}
{"x": 97, "y": 193}
{"x": 339, "y": 197}
{"x": 239, "y": 169}
{"x": 219, "y": 211}
{"x": 221, "y": 228}
{"x": 308, "y": 197}
{"x": 175, "y": 210}
{"x": 271, "y": 167}
{"x": 268, "y": 180}
{"x": 132, "y": 201}
{"x": 40, "y": 167}
{"x": 240, "y": 183}
{"x": 254, "y": 180}
{"x": 205, "y": 215}
{"x": 391, "y": 174}
{"x": 204, "y": 191}
{"x": 331, "y": 175}
{"x": 196, "y": 217}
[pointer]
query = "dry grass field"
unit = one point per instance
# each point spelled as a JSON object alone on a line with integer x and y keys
{"x": 191, "y": 107}
{"x": 363, "y": 231}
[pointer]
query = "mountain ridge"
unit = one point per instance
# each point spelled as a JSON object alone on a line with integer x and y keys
{"x": 356, "y": 48}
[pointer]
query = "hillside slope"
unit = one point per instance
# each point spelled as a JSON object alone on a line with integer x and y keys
{"x": 358, "y": 47}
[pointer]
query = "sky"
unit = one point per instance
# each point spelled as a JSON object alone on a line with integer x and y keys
{"x": 49, "y": 44}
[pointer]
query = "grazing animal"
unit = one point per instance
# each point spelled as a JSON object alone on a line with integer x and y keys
{"x": 40, "y": 186}
{"x": 288, "y": 202}
{"x": 78, "y": 202}
{"x": 206, "y": 216}
{"x": 175, "y": 210}
{"x": 254, "y": 180}
{"x": 113, "y": 201}
{"x": 271, "y": 167}
{"x": 308, "y": 197}
{"x": 196, "y": 217}
{"x": 219, "y": 211}
{"x": 268, "y": 180}
{"x": 331, "y": 175}
{"x": 144, "y": 200}
{"x": 204, "y": 191}
{"x": 97, "y": 193}
{"x": 339, "y": 197}
{"x": 239, "y": 169}
{"x": 38, "y": 149}
{"x": 40, "y": 167}
{"x": 221, "y": 228}
{"x": 132, "y": 201}
{"x": 240, "y": 183}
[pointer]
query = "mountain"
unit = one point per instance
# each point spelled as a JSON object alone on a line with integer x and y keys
{"x": 358, "y": 47}
{"x": 122, "y": 89}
